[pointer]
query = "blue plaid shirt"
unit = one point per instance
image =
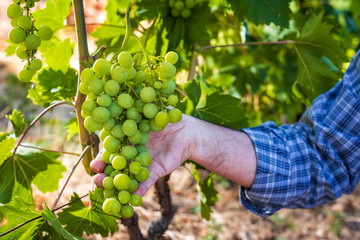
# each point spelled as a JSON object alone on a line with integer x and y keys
{"x": 313, "y": 161}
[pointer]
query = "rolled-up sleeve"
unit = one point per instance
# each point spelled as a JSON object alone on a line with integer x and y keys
{"x": 313, "y": 161}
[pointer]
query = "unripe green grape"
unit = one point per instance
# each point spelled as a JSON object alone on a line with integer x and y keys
{"x": 32, "y": 41}
{"x": 185, "y": 13}
{"x": 13, "y": 22}
{"x": 133, "y": 186}
{"x": 132, "y": 113}
{"x": 138, "y": 119}
{"x": 25, "y": 75}
{"x": 112, "y": 88}
{"x": 168, "y": 87}
{"x": 84, "y": 115}
{"x": 153, "y": 126}
{"x": 136, "y": 138}
{"x": 128, "y": 152}
{"x": 119, "y": 74}
{"x": 117, "y": 131}
{"x": 140, "y": 76}
{"x": 131, "y": 71}
{"x": 189, "y": 3}
{"x": 104, "y": 101}
{"x": 24, "y": 22}
{"x": 20, "y": 53}
{"x": 148, "y": 94}
{"x": 111, "y": 206}
{"x": 129, "y": 127}
{"x": 96, "y": 86}
{"x": 141, "y": 148}
{"x": 171, "y": 3}
{"x": 143, "y": 175}
{"x": 13, "y": 11}
{"x": 172, "y": 100}
{"x": 162, "y": 119}
{"x": 101, "y": 67}
{"x": 17, "y": 35}
{"x": 91, "y": 125}
{"x": 157, "y": 84}
{"x": 136, "y": 200}
{"x": 112, "y": 156}
{"x": 175, "y": 115}
{"x": 139, "y": 105}
{"x": 135, "y": 167}
{"x": 91, "y": 96}
{"x": 45, "y": 32}
{"x": 111, "y": 144}
{"x": 144, "y": 159}
{"x": 30, "y": 3}
{"x": 109, "y": 193}
{"x": 171, "y": 57}
{"x": 108, "y": 170}
{"x": 108, "y": 183}
{"x": 114, "y": 173}
{"x": 104, "y": 133}
{"x": 127, "y": 211}
{"x": 109, "y": 124}
{"x": 175, "y": 13}
{"x": 105, "y": 156}
{"x": 144, "y": 125}
{"x": 115, "y": 110}
{"x": 125, "y": 59}
{"x": 125, "y": 100}
{"x": 84, "y": 88}
{"x": 150, "y": 110}
{"x": 118, "y": 162}
{"x": 167, "y": 71}
{"x": 179, "y": 5}
{"x": 87, "y": 75}
{"x": 35, "y": 64}
{"x": 100, "y": 114}
{"x": 124, "y": 197}
{"x": 88, "y": 106}
{"x": 121, "y": 181}
{"x": 144, "y": 138}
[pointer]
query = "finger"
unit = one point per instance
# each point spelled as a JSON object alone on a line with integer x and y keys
{"x": 98, "y": 179}
{"x": 97, "y": 165}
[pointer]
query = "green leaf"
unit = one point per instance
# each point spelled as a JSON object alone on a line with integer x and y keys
{"x": 57, "y": 53}
{"x": 149, "y": 9}
{"x": 54, "y": 222}
{"x": 29, "y": 166}
{"x": 207, "y": 191}
{"x": 10, "y": 50}
{"x": 193, "y": 91}
{"x": 79, "y": 218}
{"x": 71, "y": 128}
{"x": 262, "y": 11}
{"x": 17, "y": 120}
{"x": 317, "y": 50}
{"x": 6, "y": 145}
{"x": 224, "y": 110}
{"x": 17, "y": 212}
{"x": 53, "y": 86}
{"x": 54, "y": 14}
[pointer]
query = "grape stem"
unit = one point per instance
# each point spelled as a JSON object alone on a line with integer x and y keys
{"x": 36, "y": 120}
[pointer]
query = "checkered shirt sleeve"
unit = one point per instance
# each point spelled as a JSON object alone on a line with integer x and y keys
{"x": 313, "y": 161}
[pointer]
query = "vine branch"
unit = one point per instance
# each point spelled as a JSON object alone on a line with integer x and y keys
{"x": 49, "y": 150}
{"x": 247, "y": 44}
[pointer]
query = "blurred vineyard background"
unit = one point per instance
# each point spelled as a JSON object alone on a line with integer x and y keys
{"x": 338, "y": 220}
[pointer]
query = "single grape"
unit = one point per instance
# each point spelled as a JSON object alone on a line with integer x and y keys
{"x": 144, "y": 138}
{"x": 150, "y": 110}
{"x": 115, "y": 110}
{"x": 128, "y": 152}
{"x": 172, "y": 100}
{"x": 135, "y": 167}
{"x": 132, "y": 113}
{"x": 109, "y": 193}
{"x": 111, "y": 144}
{"x": 112, "y": 88}
{"x": 88, "y": 106}
{"x": 138, "y": 119}
{"x": 140, "y": 76}
{"x": 17, "y": 35}
{"x": 105, "y": 156}
{"x": 119, "y": 74}
{"x": 171, "y": 57}
{"x": 119, "y": 162}
{"x": 96, "y": 86}
{"x": 168, "y": 87}
{"x": 84, "y": 88}
{"x": 136, "y": 200}
{"x": 124, "y": 197}
{"x": 111, "y": 206}
{"x": 129, "y": 127}
{"x": 24, "y": 22}
{"x": 157, "y": 84}
{"x": 148, "y": 94}
{"x": 143, "y": 175}
{"x": 175, "y": 13}
{"x": 185, "y": 13}
{"x": 114, "y": 173}
{"x": 30, "y": 3}
{"x": 153, "y": 126}
{"x": 162, "y": 119}
{"x": 108, "y": 183}
{"x": 104, "y": 133}
{"x": 136, "y": 138}
{"x": 92, "y": 96}
{"x": 125, "y": 59}
{"x": 35, "y": 64}
{"x": 87, "y": 75}
{"x": 25, "y": 75}
{"x": 100, "y": 114}
{"x": 131, "y": 72}
{"x": 112, "y": 156}
{"x": 84, "y": 115}
{"x": 117, "y": 131}
{"x": 125, "y": 100}
{"x": 20, "y": 53}
{"x": 141, "y": 148}
{"x": 101, "y": 67}
{"x": 144, "y": 125}
{"x": 144, "y": 159}
{"x": 167, "y": 70}
{"x": 91, "y": 125}
{"x": 127, "y": 211}
{"x": 45, "y": 32}
{"x": 179, "y": 5}
{"x": 104, "y": 101}
{"x": 109, "y": 124}
{"x": 32, "y": 41}
{"x": 133, "y": 186}
{"x": 189, "y": 3}
{"x": 108, "y": 170}
{"x": 139, "y": 105}
{"x": 121, "y": 181}
{"x": 13, "y": 23}
{"x": 13, "y": 11}
{"x": 171, "y": 3}
{"x": 175, "y": 115}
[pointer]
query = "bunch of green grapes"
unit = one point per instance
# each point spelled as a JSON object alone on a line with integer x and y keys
{"x": 124, "y": 103}
{"x": 27, "y": 36}
{"x": 181, "y": 8}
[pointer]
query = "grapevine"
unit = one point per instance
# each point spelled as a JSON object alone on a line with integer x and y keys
{"x": 181, "y": 8}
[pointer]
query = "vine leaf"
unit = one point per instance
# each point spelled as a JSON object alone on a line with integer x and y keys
{"x": 224, "y": 110}
{"x": 193, "y": 91}
{"x": 29, "y": 166}
{"x": 317, "y": 53}
{"x": 15, "y": 213}
{"x": 262, "y": 11}
{"x": 54, "y": 14}
{"x": 54, "y": 222}
{"x": 79, "y": 218}
{"x": 71, "y": 128}
{"x": 6, "y": 145}
{"x": 17, "y": 121}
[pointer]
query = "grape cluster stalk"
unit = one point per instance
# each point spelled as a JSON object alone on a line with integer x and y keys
{"x": 181, "y": 8}
{"x": 27, "y": 36}
{"x": 124, "y": 102}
